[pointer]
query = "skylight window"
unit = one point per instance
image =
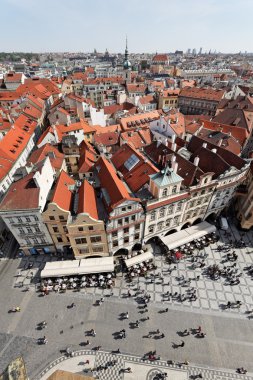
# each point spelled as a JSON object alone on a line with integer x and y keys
{"x": 131, "y": 162}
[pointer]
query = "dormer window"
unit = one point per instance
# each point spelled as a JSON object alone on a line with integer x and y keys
{"x": 174, "y": 189}
{"x": 165, "y": 192}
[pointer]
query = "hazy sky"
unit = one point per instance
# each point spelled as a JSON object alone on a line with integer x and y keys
{"x": 151, "y": 25}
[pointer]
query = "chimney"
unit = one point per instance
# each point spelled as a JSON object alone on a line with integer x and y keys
{"x": 174, "y": 166}
{"x": 204, "y": 145}
{"x": 220, "y": 142}
{"x": 196, "y": 161}
{"x": 214, "y": 150}
{"x": 173, "y": 138}
{"x": 174, "y": 147}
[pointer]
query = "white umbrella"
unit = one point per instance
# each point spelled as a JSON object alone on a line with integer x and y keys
{"x": 71, "y": 279}
{"x": 84, "y": 284}
{"x": 141, "y": 265}
{"x": 101, "y": 277}
{"x": 110, "y": 282}
{"x": 132, "y": 274}
{"x": 138, "y": 271}
{"x": 109, "y": 276}
{"x": 74, "y": 285}
{"x": 94, "y": 277}
{"x": 63, "y": 286}
{"x": 83, "y": 278}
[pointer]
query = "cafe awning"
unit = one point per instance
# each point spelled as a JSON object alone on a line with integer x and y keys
{"x": 145, "y": 256}
{"x": 77, "y": 267}
{"x": 189, "y": 234}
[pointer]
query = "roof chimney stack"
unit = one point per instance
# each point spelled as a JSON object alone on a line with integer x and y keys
{"x": 196, "y": 161}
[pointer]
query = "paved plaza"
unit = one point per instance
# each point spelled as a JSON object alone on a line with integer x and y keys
{"x": 227, "y": 345}
{"x": 140, "y": 369}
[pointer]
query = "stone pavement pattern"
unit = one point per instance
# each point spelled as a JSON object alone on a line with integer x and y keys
{"x": 141, "y": 370}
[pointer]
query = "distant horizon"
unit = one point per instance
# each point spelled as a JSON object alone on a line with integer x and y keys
{"x": 122, "y": 52}
{"x": 50, "y": 26}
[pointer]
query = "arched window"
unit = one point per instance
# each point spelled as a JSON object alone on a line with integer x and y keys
{"x": 165, "y": 192}
{"x": 174, "y": 189}
{"x": 162, "y": 212}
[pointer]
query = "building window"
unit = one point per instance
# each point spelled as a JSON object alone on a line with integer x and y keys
{"x": 165, "y": 192}
{"x": 61, "y": 217}
{"x": 115, "y": 243}
{"x": 152, "y": 215}
{"x": 137, "y": 227}
{"x": 115, "y": 234}
{"x": 80, "y": 229}
{"x": 35, "y": 241}
{"x": 127, "y": 220}
{"x": 123, "y": 209}
{"x": 179, "y": 206}
{"x": 55, "y": 229}
{"x": 21, "y": 230}
{"x": 65, "y": 229}
{"x": 159, "y": 226}
{"x": 36, "y": 218}
{"x": 27, "y": 241}
{"x": 168, "y": 222}
{"x": 19, "y": 220}
{"x": 120, "y": 222}
{"x": 51, "y": 218}
{"x": 133, "y": 218}
{"x": 95, "y": 239}
{"x": 126, "y": 230}
{"x": 27, "y": 219}
{"x": 98, "y": 248}
{"x": 43, "y": 240}
{"x": 84, "y": 250}
{"x": 126, "y": 240}
{"x": 174, "y": 189}
{"x": 129, "y": 207}
{"x": 37, "y": 229}
{"x": 162, "y": 212}
{"x": 29, "y": 230}
{"x": 136, "y": 236}
{"x": 91, "y": 228}
{"x": 59, "y": 239}
{"x": 81, "y": 241}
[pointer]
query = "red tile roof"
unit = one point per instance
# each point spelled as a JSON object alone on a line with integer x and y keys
{"x": 106, "y": 139}
{"x": 160, "y": 58}
{"x": 138, "y": 176}
{"x": 202, "y": 93}
{"x": 13, "y": 77}
{"x": 88, "y": 157}
{"x": 22, "y": 194}
{"x": 62, "y": 194}
{"x": 140, "y": 120}
{"x": 47, "y": 150}
{"x": 109, "y": 180}
{"x": 87, "y": 200}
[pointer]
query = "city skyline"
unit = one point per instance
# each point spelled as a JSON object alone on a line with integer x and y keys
{"x": 61, "y": 26}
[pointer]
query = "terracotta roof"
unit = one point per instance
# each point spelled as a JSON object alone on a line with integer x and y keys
{"x": 9, "y": 95}
{"x": 170, "y": 92}
{"x": 62, "y": 194}
{"x": 88, "y": 157}
{"x": 160, "y": 58}
{"x": 48, "y": 150}
{"x": 138, "y": 175}
{"x": 110, "y": 110}
{"x": 147, "y": 99}
{"x": 139, "y": 120}
{"x": 132, "y": 87}
{"x": 115, "y": 187}
{"x": 218, "y": 138}
{"x": 44, "y": 134}
{"x": 202, "y": 93}
{"x": 240, "y": 134}
{"x": 106, "y": 139}
{"x": 22, "y": 194}
{"x": 108, "y": 128}
{"x": 13, "y": 77}
{"x": 235, "y": 117}
{"x": 87, "y": 200}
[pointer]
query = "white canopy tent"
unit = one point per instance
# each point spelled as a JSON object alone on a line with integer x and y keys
{"x": 77, "y": 267}
{"x": 189, "y": 234}
{"x": 96, "y": 265}
{"x": 139, "y": 259}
